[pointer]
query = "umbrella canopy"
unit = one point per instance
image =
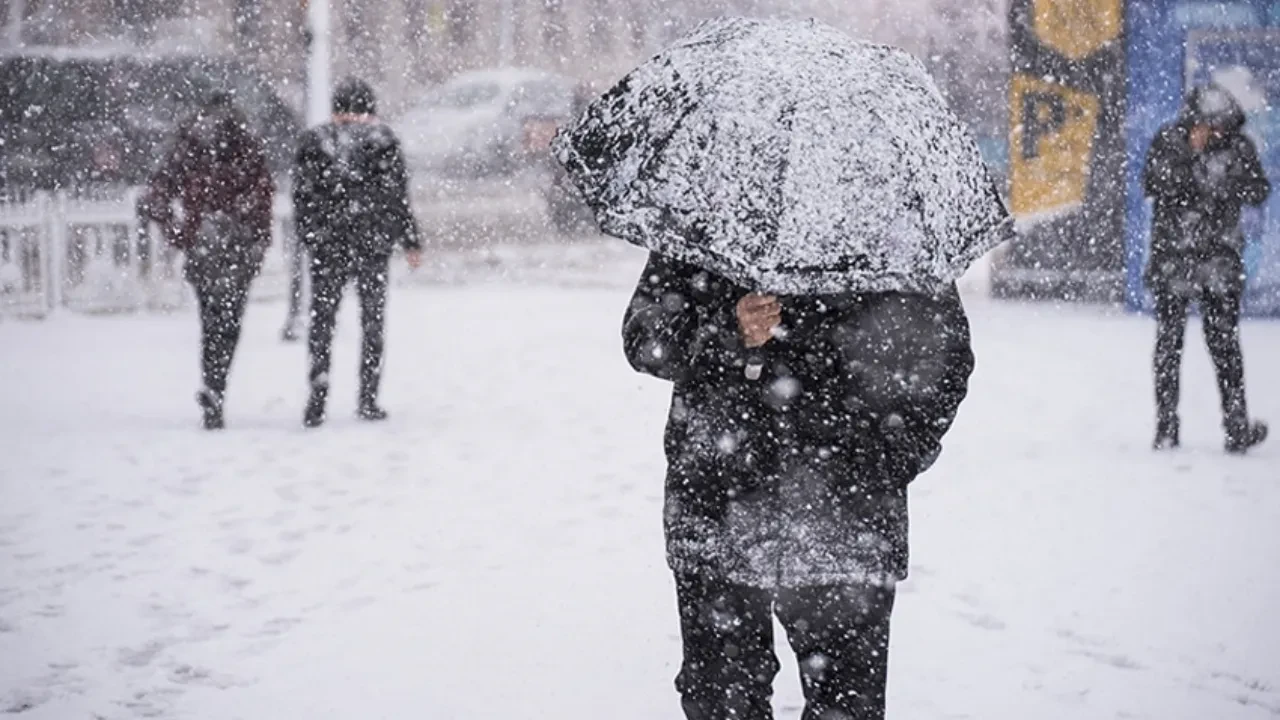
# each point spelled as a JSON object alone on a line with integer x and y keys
{"x": 789, "y": 158}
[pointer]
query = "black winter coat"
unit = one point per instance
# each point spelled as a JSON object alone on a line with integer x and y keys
{"x": 799, "y": 477}
{"x": 351, "y": 191}
{"x": 1195, "y": 235}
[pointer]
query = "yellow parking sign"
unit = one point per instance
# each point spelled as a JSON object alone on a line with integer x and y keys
{"x": 1053, "y": 129}
{"x": 1077, "y": 28}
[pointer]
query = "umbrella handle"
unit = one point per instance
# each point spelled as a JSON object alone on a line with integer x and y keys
{"x": 755, "y": 364}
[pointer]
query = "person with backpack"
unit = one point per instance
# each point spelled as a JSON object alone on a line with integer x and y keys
{"x": 218, "y": 171}
{"x": 351, "y": 208}
{"x": 1200, "y": 172}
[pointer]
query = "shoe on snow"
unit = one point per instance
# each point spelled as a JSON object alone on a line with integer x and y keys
{"x": 372, "y": 413}
{"x": 314, "y": 416}
{"x": 211, "y": 406}
{"x": 1253, "y": 435}
{"x": 1166, "y": 436}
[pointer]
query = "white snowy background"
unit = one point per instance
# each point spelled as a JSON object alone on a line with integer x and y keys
{"x": 495, "y": 549}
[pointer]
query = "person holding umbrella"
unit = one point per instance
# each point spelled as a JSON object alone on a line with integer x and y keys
{"x": 808, "y": 202}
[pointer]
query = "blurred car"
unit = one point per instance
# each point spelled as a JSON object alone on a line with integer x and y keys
{"x": 71, "y": 119}
{"x": 565, "y": 207}
{"x": 158, "y": 91}
{"x": 478, "y": 123}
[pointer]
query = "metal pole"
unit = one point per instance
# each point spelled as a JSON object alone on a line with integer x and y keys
{"x": 17, "y": 9}
{"x": 318, "y": 78}
{"x": 506, "y": 33}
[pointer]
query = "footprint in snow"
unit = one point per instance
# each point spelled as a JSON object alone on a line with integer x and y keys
{"x": 1253, "y": 684}
{"x": 277, "y": 626}
{"x": 280, "y": 557}
{"x": 1116, "y": 661}
{"x": 141, "y": 656}
{"x": 1075, "y": 637}
{"x": 983, "y": 621}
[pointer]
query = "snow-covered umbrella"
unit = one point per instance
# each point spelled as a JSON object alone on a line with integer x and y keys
{"x": 791, "y": 159}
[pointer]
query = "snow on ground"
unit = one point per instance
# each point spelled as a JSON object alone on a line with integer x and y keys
{"x": 495, "y": 550}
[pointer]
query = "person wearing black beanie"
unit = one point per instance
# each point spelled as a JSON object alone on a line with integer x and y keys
{"x": 354, "y": 96}
{"x": 351, "y": 211}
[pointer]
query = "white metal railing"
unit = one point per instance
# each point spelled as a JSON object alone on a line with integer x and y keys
{"x": 91, "y": 254}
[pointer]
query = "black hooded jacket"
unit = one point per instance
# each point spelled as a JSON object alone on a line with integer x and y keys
{"x": 1198, "y": 196}
{"x": 799, "y": 476}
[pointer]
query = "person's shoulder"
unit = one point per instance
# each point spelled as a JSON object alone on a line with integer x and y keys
{"x": 380, "y": 135}
{"x": 311, "y": 137}
{"x": 1171, "y": 133}
{"x": 1241, "y": 142}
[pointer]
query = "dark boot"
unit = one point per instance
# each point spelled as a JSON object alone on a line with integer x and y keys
{"x": 369, "y": 408}
{"x": 1242, "y": 433}
{"x": 290, "y": 332}
{"x": 1243, "y": 437}
{"x": 315, "y": 414}
{"x": 211, "y": 404}
{"x": 1167, "y": 435}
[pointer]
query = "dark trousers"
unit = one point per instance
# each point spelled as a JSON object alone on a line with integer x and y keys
{"x": 296, "y": 255}
{"x": 1221, "y": 313}
{"x": 221, "y": 315}
{"x": 329, "y": 277}
{"x": 840, "y": 634}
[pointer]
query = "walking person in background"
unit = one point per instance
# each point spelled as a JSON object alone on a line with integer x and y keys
{"x": 1200, "y": 171}
{"x": 351, "y": 206}
{"x": 218, "y": 170}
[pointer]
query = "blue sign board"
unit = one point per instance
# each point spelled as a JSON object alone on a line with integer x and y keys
{"x": 1171, "y": 47}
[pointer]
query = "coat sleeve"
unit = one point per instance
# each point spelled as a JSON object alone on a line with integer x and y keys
{"x": 911, "y": 446}
{"x": 1167, "y": 173}
{"x": 398, "y": 193}
{"x": 308, "y": 201}
{"x": 155, "y": 204}
{"x": 1253, "y": 185}
{"x": 261, "y": 198}
{"x": 678, "y": 318}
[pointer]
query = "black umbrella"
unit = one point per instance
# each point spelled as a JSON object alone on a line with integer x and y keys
{"x": 789, "y": 158}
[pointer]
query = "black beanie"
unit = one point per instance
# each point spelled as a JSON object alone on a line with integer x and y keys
{"x": 353, "y": 96}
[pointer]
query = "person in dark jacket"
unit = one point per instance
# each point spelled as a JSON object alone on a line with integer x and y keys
{"x": 795, "y": 427}
{"x": 351, "y": 206}
{"x": 218, "y": 170}
{"x": 1200, "y": 171}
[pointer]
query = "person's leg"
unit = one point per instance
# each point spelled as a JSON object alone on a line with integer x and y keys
{"x": 372, "y": 281}
{"x": 1222, "y": 335}
{"x": 232, "y": 308}
{"x": 840, "y": 635}
{"x": 1171, "y": 327}
{"x": 213, "y": 376}
{"x": 729, "y": 664}
{"x": 328, "y": 277}
{"x": 296, "y": 254}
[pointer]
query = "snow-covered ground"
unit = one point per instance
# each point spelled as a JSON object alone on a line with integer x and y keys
{"x": 495, "y": 550}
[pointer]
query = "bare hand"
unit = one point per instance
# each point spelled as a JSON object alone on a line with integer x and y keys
{"x": 415, "y": 259}
{"x": 758, "y": 318}
{"x": 1200, "y": 136}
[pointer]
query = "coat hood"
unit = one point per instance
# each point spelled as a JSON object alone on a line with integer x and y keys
{"x": 1215, "y": 106}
